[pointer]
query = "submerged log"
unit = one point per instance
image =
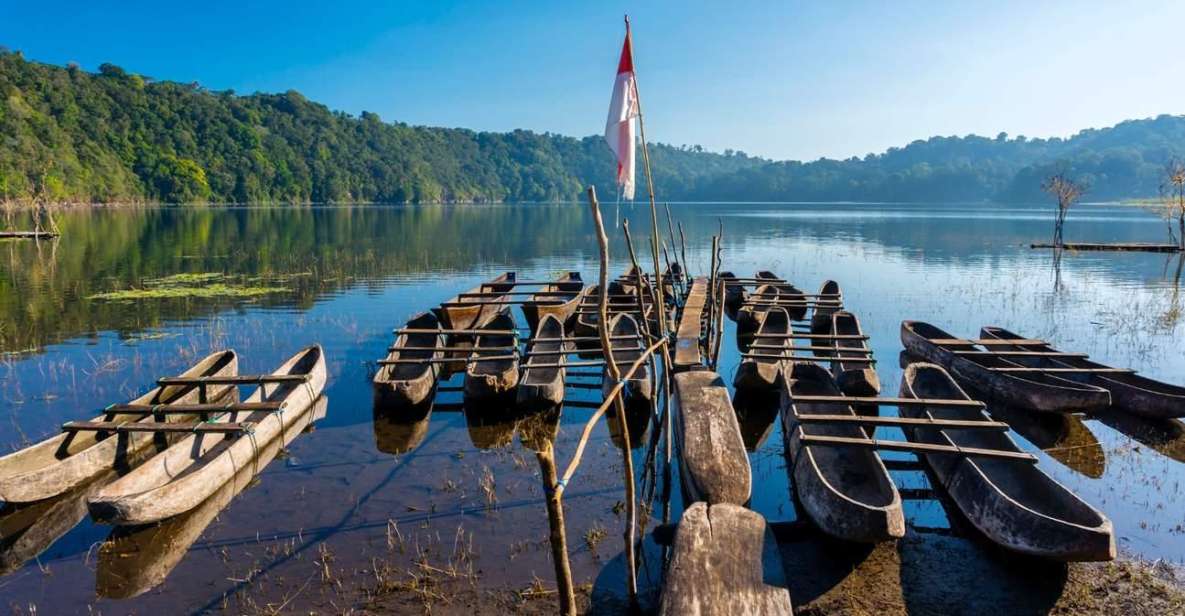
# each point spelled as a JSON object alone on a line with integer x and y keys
{"x": 714, "y": 466}
{"x": 725, "y": 561}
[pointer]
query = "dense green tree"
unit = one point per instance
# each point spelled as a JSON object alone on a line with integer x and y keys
{"x": 115, "y": 136}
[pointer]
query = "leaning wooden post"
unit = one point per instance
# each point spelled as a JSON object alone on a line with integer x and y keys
{"x": 714, "y": 306}
{"x": 559, "y": 535}
{"x": 614, "y": 373}
{"x": 629, "y": 244}
{"x": 683, "y": 249}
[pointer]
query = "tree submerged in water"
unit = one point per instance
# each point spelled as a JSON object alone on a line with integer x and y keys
{"x": 1067, "y": 191}
{"x": 1172, "y": 193}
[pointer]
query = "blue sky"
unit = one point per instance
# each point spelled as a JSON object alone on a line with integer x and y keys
{"x": 777, "y": 79}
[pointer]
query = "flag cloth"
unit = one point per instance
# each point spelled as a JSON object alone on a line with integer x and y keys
{"x": 619, "y": 128}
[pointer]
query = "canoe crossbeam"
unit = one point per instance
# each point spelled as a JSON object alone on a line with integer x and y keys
{"x": 459, "y": 332}
{"x": 446, "y": 360}
{"x": 578, "y": 351}
{"x": 464, "y": 349}
{"x": 1021, "y": 354}
{"x": 777, "y": 347}
{"x": 958, "y": 424}
{"x": 887, "y": 401}
{"x": 829, "y": 358}
{"x": 157, "y": 427}
{"x": 985, "y": 342}
{"x": 804, "y": 336}
{"x": 188, "y": 409}
{"x": 242, "y": 379}
{"x": 1027, "y": 370}
{"x": 911, "y": 447}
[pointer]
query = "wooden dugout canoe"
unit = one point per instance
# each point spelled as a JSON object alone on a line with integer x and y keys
{"x": 855, "y": 378}
{"x": 1013, "y": 503}
{"x": 483, "y": 310}
{"x": 619, "y": 303}
{"x": 561, "y": 306}
{"x": 405, "y": 385}
{"x": 135, "y": 559}
{"x": 734, "y": 294}
{"x": 788, "y": 292}
{"x": 1130, "y": 392}
{"x": 847, "y": 492}
{"x": 1030, "y": 390}
{"x": 638, "y": 389}
{"x": 493, "y": 378}
{"x": 544, "y": 386}
{"x": 750, "y": 316}
{"x": 191, "y": 470}
{"x": 58, "y": 464}
{"x": 761, "y": 373}
{"x": 829, "y": 302}
{"x": 713, "y": 465}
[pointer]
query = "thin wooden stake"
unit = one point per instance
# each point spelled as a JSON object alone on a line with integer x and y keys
{"x": 559, "y": 534}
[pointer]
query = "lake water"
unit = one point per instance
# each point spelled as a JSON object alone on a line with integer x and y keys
{"x": 363, "y": 500}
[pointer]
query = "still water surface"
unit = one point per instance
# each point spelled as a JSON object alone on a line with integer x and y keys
{"x": 366, "y": 489}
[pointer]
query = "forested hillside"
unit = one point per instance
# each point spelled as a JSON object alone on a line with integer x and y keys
{"x": 69, "y": 135}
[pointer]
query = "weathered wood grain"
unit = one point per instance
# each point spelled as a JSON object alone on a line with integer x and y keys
{"x": 714, "y": 467}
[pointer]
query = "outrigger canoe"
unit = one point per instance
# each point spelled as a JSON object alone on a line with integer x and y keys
{"x": 60, "y": 463}
{"x": 194, "y": 468}
{"x": 488, "y": 301}
{"x": 752, "y": 313}
{"x": 847, "y": 492}
{"x": 995, "y": 377}
{"x": 638, "y": 389}
{"x": 795, "y": 300}
{"x": 544, "y": 386}
{"x": 828, "y": 302}
{"x": 496, "y": 375}
{"x": 1129, "y": 391}
{"x": 1013, "y": 503}
{"x": 734, "y": 294}
{"x": 560, "y": 298}
{"x": 410, "y": 382}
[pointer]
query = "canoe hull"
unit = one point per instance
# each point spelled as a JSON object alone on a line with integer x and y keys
{"x": 406, "y": 385}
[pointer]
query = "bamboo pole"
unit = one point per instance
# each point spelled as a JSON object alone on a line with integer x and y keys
{"x": 612, "y": 371}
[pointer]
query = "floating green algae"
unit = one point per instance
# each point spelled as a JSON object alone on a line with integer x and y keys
{"x": 202, "y": 285}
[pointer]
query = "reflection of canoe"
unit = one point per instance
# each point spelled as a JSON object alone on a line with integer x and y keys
{"x": 1166, "y": 436}
{"x": 1013, "y": 503}
{"x": 484, "y": 308}
{"x": 561, "y": 306}
{"x": 65, "y": 461}
{"x": 397, "y": 433}
{"x": 829, "y": 301}
{"x": 403, "y": 385}
{"x": 1064, "y": 437}
{"x": 755, "y": 414}
{"x": 538, "y": 430}
{"x": 847, "y": 492}
{"x": 187, "y": 473}
{"x": 544, "y": 386}
{"x": 27, "y": 530}
{"x": 1036, "y": 391}
{"x": 136, "y": 559}
{"x": 637, "y": 419}
{"x": 493, "y": 378}
{"x": 1130, "y": 392}
{"x": 638, "y": 390}
{"x": 761, "y": 373}
{"x": 491, "y": 427}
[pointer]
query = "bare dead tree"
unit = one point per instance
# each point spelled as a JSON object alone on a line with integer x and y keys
{"x": 1067, "y": 191}
{"x": 1172, "y": 200}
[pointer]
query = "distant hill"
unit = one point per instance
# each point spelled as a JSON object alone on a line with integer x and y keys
{"x": 114, "y": 136}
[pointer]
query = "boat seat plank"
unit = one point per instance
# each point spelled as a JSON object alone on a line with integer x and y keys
{"x": 845, "y": 359}
{"x": 725, "y": 560}
{"x": 1020, "y": 354}
{"x": 251, "y": 379}
{"x": 888, "y": 401}
{"x": 903, "y": 421}
{"x": 844, "y": 441}
{"x": 1025, "y": 369}
{"x": 983, "y": 342}
{"x": 457, "y": 332}
{"x": 140, "y": 426}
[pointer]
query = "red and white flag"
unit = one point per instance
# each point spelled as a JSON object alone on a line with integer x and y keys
{"x": 619, "y": 128}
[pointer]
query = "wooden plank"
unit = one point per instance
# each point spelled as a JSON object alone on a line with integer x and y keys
{"x": 447, "y": 360}
{"x": 1023, "y": 369}
{"x": 827, "y": 358}
{"x": 903, "y": 421}
{"x": 582, "y": 339}
{"x": 714, "y": 466}
{"x": 849, "y": 400}
{"x": 690, "y": 329}
{"x": 243, "y": 379}
{"x": 459, "y": 332}
{"x": 864, "y": 443}
{"x": 812, "y": 337}
{"x": 778, "y": 347}
{"x": 175, "y": 409}
{"x": 140, "y": 426}
{"x": 984, "y": 341}
{"x": 1021, "y": 354}
{"x": 725, "y": 560}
